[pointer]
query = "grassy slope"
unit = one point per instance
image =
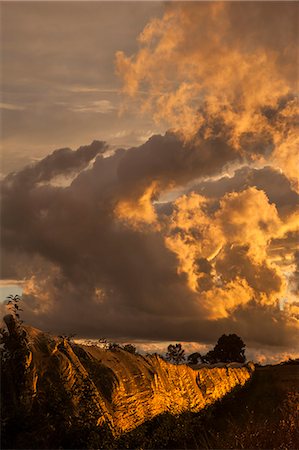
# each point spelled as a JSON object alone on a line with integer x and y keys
{"x": 263, "y": 415}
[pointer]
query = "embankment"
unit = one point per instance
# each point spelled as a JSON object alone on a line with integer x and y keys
{"x": 65, "y": 382}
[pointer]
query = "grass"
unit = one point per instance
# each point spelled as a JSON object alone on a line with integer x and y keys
{"x": 264, "y": 415}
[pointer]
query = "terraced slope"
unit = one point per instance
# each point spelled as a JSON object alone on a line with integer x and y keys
{"x": 112, "y": 388}
{"x": 143, "y": 387}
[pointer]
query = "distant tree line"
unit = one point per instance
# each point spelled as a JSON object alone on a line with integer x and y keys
{"x": 229, "y": 348}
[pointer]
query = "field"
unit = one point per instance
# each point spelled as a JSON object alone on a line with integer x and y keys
{"x": 263, "y": 415}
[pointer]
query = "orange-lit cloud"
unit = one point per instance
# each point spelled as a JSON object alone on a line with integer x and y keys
{"x": 137, "y": 212}
{"x": 234, "y": 63}
{"x": 224, "y": 253}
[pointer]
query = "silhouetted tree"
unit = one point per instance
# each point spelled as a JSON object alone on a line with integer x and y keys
{"x": 175, "y": 353}
{"x": 103, "y": 342}
{"x": 290, "y": 361}
{"x": 229, "y": 348}
{"x": 194, "y": 357}
{"x": 69, "y": 338}
{"x": 114, "y": 346}
{"x": 12, "y": 303}
{"x": 130, "y": 348}
{"x": 210, "y": 358}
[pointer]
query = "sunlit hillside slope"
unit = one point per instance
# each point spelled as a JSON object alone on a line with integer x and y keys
{"x": 61, "y": 386}
{"x": 264, "y": 414}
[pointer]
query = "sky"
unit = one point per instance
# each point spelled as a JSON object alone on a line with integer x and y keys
{"x": 150, "y": 170}
{"x": 59, "y": 87}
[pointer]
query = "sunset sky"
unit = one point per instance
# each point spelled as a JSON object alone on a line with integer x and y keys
{"x": 150, "y": 170}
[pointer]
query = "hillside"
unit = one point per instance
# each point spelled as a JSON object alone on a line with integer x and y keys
{"x": 70, "y": 392}
{"x": 264, "y": 414}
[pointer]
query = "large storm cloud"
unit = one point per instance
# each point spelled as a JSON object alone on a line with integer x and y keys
{"x": 193, "y": 233}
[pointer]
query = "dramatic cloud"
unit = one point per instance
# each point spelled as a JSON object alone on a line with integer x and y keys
{"x": 224, "y": 253}
{"x": 233, "y": 64}
{"x": 98, "y": 256}
{"x": 193, "y": 233}
{"x": 274, "y": 183}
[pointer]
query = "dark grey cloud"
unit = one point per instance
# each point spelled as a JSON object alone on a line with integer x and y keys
{"x": 167, "y": 160}
{"x": 258, "y": 325}
{"x": 74, "y": 228}
{"x": 95, "y": 275}
{"x": 62, "y": 161}
{"x": 268, "y": 179}
{"x": 260, "y": 276}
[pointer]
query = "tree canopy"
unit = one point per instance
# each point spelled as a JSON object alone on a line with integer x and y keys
{"x": 130, "y": 348}
{"x": 229, "y": 348}
{"x": 175, "y": 353}
{"x": 194, "y": 358}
